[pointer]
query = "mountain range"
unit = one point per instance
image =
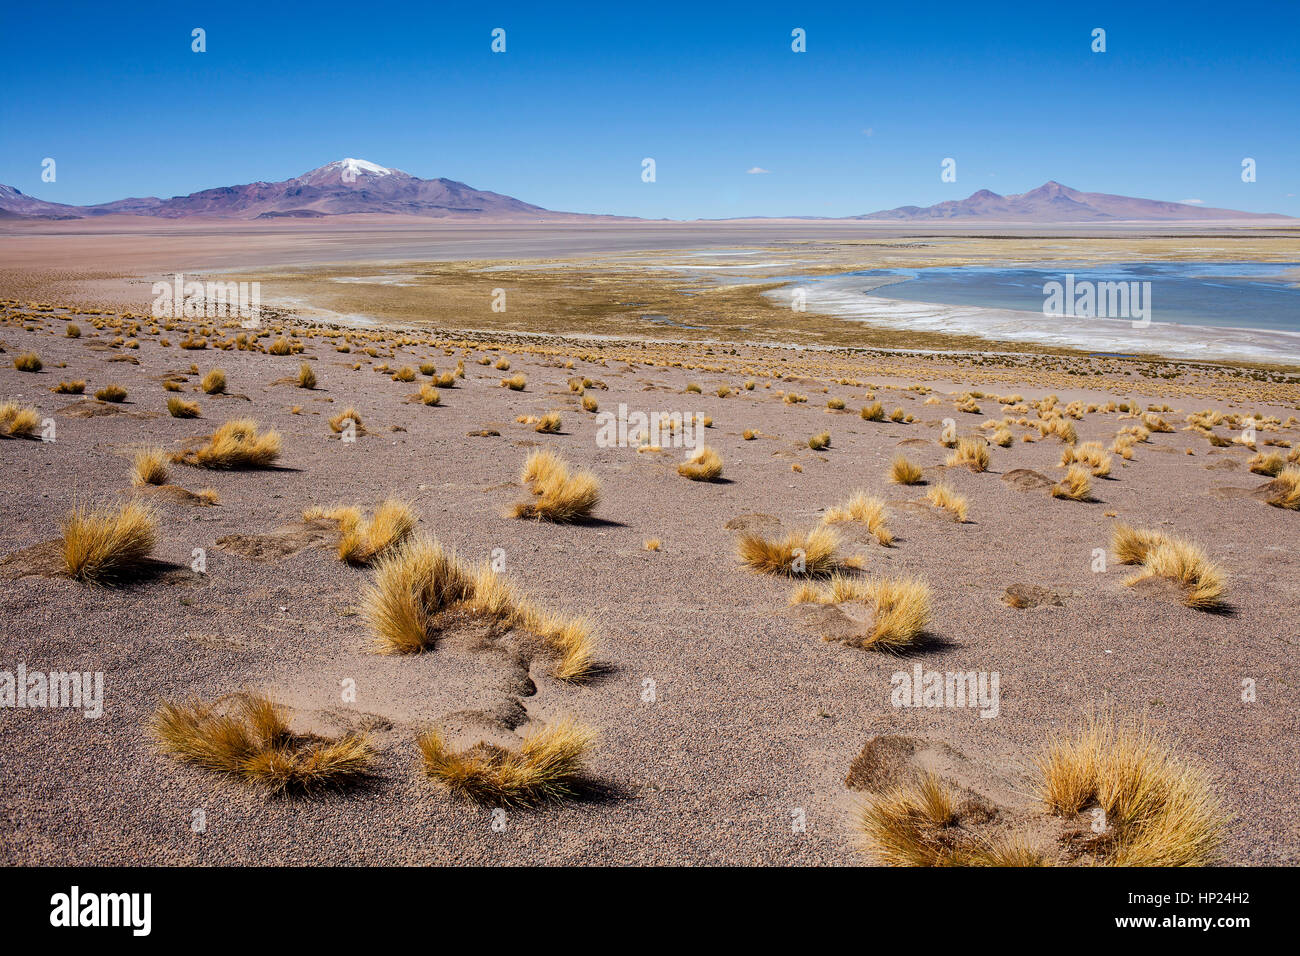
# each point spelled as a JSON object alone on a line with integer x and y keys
{"x": 350, "y": 186}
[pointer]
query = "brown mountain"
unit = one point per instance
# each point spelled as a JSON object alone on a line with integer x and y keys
{"x": 339, "y": 188}
{"x": 1054, "y": 203}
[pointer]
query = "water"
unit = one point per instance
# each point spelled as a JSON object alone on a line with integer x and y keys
{"x": 1246, "y": 311}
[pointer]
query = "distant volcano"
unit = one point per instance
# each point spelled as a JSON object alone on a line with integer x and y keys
{"x": 338, "y": 188}
{"x": 1054, "y": 203}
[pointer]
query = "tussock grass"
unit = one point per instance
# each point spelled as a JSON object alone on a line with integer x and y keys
{"x": 705, "y": 464}
{"x": 1186, "y": 564}
{"x": 235, "y": 444}
{"x": 548, "y": 766}
{"x": 418, "y": 586}
{"x": 111, "y": 393}
{"x": 862, "y": 508}
{"x": 943, "y": 496}
{"x": 101, "y": 544}
{"x": 74, "y": 387}
{"x": 365, "y": 539}
{"x": 180, "y": 408}
{"x": 307, "y": 376}
{"x": 548, "y": 424}
{"x": 18, "y": 421}
{"x": 339, "y": 422}
{"x": 1075, "y": 486}
{"x": 971, "y": 452}
{"x": 558, "y": 495}
{"x": 1131, "y": 545}
{"x": 149, "y": 467}
{"x": 1285, "y": 490}
{"x": 214, "y": 383}
{"x": 912, "y": 824}
{"x": 28, "y": 362}
{"x": 1268, "y": 465}
{"x": 875, "y": 412}
{"x": 1089, "y": 454}
{"x": 515, "y": 383}
{"x": 590, "y": 404}
{"x": 652, "y": 544}
{"x": 429, "y": 395}
{"x": 820, "y": 441}
{"x": 811, "y": 554}
{"x": 250, "y": 740}
{"x": 404, "y": 374}
{"x": 1163, "y": 811}
{"x": 901, "y": 607}
{"x": 904, "y": 472}
{"x": 280, "y": 346}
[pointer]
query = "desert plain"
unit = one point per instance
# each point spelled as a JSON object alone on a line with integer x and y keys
{"x": 734, "y": 706}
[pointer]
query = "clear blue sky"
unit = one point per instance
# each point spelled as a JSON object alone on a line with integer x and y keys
{"x": 859, "y": 122}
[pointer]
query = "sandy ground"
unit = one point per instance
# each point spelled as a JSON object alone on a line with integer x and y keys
{"x": 755, "y": 719}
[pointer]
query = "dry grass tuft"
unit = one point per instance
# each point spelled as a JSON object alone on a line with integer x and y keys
{"x": 548, "y": 424}
{"x": 106, "y": 543}
{"x": 214, "y": 383}
{"x": 111, "y": 393}
{"x": 875, "y": 412}
{"x": 1285, "y": 490}
{"x": 705, "y": 464}
{"x": 1161, "y": 810}
{"x": 180, "y": 408}
{"x": 29, "y": 362}
{"x": 862, "y": 509}
{"x": 1090, "y": 454}
{"x": 149, "y": 467}
{"x": 306, "y": 376}
{"x": 1268, "y": 465}
{"x": 943, "y": 496}
{"x": 900, "y": 606}
{"x": 364, "y": 540}
{"x": 971, "y": 452}
{"x": 515, "y": 383}
{"x": 820, "y": 441}
{"x": 904, "y": 472}
{"x": 548, "y": 766}
{"x": 1075, "y": 486}
{"x": 251, "y": 741}
{"x": 340, "y": 421}
{"x": 652, "y": 544}
{"x": 429, "y": 395}
{"x": 74, "y": 387}
{"x": 810, "y": 555}
{"x": 911, "y": 825}
{"x": 1187, "y": 565}
{"x": 235, "y": 444}
{"x": 415, "y": 586}
{"x": 557, "y": 495}
{"x": 18, "y": 421}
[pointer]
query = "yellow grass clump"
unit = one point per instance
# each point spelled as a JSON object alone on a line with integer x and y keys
{"x": 549, "y": 765}
{"x": 180, "y": 408}
{"x": 149, "y": 467}
{"x": 105, "y": 543}
{"x": 419, "y": 586}
{"x": 74, "y": 387}
{"x": 875, "y": 412}
{"x": 862, "y": 509}
{"x": 705, "y": 464}
{"x": 971, "y": 452}
{"x": 558, "y": 495}
{"x": 943, "y": 496}
{"x": 249, "y": 738}
{"x": 1182, "y": 562}
{"x": 1267, "y": 464}
{"x": 306, "y": 376}
{"x": 820, "y": 441}
{"x": 590, "y": 404}
{"x": 1284, "y": 490}
{"x": 1075, "y": 486}
{"x": 1089, "y": 454}
{"x": 363, "y": 540}
{"x": 900, "y": 607}
{"x": 235, "y": 444}
{"x": 17, "y": 421}
{"x": 29, "y": 362}
{"x": 404, "y": 374}
{"x": 340, "y": 421}
{"x": 811, "y": 554}
{"x": 548, "y": 424}
{"x": 904, "y": 472}
{"x": 1161, "y": 810}
{"x": 214, "y": 383}
{"x": 515, "y": 383}
{"x": 111, "y": 393}
{"x": 429, "y": 395}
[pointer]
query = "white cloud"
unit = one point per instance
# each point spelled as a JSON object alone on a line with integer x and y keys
{"x": 1192, "y": 202}
{"x": 757, "y": 171}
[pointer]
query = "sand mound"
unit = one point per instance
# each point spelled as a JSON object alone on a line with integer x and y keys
{"x": 1031, "y": 595}
{"x": 1025, "y": 479}
{"x": 281, "y": 543}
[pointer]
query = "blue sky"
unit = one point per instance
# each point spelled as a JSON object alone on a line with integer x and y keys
{"x": 564, "y": 117}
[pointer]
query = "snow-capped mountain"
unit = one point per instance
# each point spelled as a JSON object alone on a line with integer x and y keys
{"x": 337, "y": 188}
